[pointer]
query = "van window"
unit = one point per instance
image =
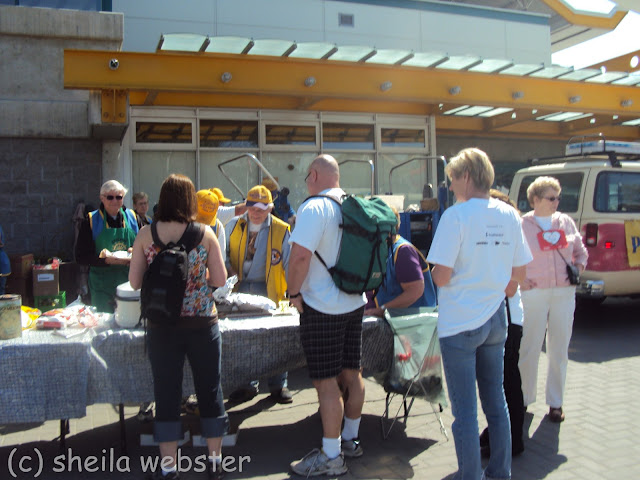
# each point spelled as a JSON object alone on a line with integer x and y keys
{"x": 571, "y": 184}
{"x": 617, "y": 192}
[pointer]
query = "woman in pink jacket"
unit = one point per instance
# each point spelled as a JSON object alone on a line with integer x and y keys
{"x": 548, "y": 297}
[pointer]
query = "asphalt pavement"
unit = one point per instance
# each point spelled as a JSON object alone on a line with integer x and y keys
{"x": 597, "y": 441}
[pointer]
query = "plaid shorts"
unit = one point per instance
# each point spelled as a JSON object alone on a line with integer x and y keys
{"x": 331, "y": 343}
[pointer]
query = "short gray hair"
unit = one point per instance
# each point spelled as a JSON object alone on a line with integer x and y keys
{"x": 112, "y": 186}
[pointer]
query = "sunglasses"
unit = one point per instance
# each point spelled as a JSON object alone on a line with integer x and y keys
{"x": 111, "y": 197}
{"x": 305, "y": 178}
{"x": 553, "y": 199}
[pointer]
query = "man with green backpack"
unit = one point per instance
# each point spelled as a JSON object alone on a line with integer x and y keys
{"x": 331, "y": 304}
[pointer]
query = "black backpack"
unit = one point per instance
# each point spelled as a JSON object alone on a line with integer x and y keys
{"x": 165, "y": 281}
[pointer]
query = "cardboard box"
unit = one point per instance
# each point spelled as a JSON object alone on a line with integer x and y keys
{"x": 21, "y": 265}
{"x": 45, "y": 281}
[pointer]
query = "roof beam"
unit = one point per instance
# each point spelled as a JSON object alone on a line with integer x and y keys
{"x": 284, "y": 77}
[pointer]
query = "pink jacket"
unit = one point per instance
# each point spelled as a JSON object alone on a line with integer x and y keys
{"x": 548, "y": 269}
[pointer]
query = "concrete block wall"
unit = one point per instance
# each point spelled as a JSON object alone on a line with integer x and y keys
{"x": 48, "y": 161}
{"x": 42, "y": 182}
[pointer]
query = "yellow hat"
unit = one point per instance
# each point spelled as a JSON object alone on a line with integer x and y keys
{"x": 270, "y": 184}
{"x": 207, "y": 207}
{"x": 221, "y": 198}
{"x": 259, "y": 196}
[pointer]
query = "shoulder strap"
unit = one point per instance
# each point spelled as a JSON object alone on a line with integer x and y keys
{"x": 156, "y": 238}
{"x": 340, "y": 205}
{"x": 506, "y": 301}
{"x": 192, "y": 236}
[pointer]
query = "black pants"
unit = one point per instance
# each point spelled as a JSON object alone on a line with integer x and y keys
{"x": 512, "y": 389}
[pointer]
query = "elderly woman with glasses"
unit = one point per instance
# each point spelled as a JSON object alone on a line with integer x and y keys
{"x": 112, "y": 228}
{"x": 548, "y": 297}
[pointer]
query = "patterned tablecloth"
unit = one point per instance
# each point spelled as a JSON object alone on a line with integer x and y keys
{"x": 46, "y": 377}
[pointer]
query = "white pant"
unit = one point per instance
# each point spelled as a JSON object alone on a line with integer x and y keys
{"x": 551, "y": 310}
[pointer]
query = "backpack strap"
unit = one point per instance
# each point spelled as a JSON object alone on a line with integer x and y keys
{"x": 340, "y": 205}
{"x": 191, "y": 237}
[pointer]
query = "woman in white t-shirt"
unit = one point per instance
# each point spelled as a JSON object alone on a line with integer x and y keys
{"x": 478, "y": 250}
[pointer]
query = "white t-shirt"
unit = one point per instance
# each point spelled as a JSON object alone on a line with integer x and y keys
{"x": 318, "y": 229}
{"x": 482, "y": 240}
{"x": 515, "y": 307}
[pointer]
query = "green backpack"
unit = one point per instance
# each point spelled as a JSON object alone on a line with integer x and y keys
{"x": 368, "y": 226}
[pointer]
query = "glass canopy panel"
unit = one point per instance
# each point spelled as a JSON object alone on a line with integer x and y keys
{"x": 389, "y": 57}
{"x": 563, "y": 116}
{"x": 632, "y": 122}
{"x": 632, "y": 79}
{"x": 607, "y": 77}
{"x": 473, "y": 111}
{"x": 273, "y": 48}
{"x": 425, "y": 59}
{"x": 601, "y": 7}
{"x": 552, "y": 72}
{"x": 347, "y": 136}
{"x": 315, "y": 50}
{"x": 351, "y": 53}
{"x": 495, "y": 111}
{"x": 522, "y": 69}
{"x": 456, "y": 110}
{"x": 182, "y": 42}
{"x": 227, "y": 44}
{"x": 228, "y": 133}
{"x": 579, "y": 75}
{"x": 459, "y": 62}
{"x": 491, "y": 65}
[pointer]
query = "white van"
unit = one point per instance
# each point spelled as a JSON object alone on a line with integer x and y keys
{"x": 601, "y": 191}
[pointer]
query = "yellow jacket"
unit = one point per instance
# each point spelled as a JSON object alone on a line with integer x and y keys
{"x": 274, "y": 272}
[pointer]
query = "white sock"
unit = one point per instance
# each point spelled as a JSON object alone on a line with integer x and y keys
{"x": 351, "y": 427}
{"x": 331, "y": 447}
{"x": 167, "y": 471}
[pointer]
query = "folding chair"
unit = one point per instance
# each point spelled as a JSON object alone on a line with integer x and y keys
{"x": 416, "y": 368}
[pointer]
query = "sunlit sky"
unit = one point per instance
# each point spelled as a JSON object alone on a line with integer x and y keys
{"x": 624, "y": 39}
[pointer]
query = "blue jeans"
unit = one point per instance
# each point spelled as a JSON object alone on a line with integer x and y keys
{"x": 167, "y": 348}
{"x": 467, "y": 356}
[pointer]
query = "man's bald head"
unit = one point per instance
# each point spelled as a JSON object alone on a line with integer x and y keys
{"x": 323, "y": 173}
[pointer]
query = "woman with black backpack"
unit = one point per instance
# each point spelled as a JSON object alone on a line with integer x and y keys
{"x": 191, "y": 333}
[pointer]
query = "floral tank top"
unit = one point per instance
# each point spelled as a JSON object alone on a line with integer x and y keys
{"x": 198, "y": 296}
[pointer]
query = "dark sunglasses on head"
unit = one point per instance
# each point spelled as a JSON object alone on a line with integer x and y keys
{"x": 111, "y": 197}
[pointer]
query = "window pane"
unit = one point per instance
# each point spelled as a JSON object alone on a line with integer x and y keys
{"x": 243, "y": 172}
{"x": 355, "y": 172}
{"x": 617, "y": 192}
{"x": 161, "y": 132}
{"x": 402, "y": 137}
{"x": 151, "y": 168}
{"x": 407, "y": 180}
{"x": 290, "y": 134}
{"x": 347, "y": 136}
{"x": 290, "y": 168}
{"x": 228, "y": 133}
{"x": 571, "y": 184}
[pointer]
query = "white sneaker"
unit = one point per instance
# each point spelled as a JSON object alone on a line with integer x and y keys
{"x": 317, "y": 463}
{"x": 352, "y": 448}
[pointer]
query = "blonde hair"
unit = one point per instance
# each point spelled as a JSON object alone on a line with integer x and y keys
{"x": 476, "y": 163}
{"x": 540, "y": 185}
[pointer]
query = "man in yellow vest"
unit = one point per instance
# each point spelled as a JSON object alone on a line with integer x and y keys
{"x": 258, "y": 252}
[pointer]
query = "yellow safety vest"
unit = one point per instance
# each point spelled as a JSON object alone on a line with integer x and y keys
{"x": 274, "y": 272}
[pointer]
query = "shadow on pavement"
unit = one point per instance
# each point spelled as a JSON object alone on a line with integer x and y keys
{"x": 606, "y": 332}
